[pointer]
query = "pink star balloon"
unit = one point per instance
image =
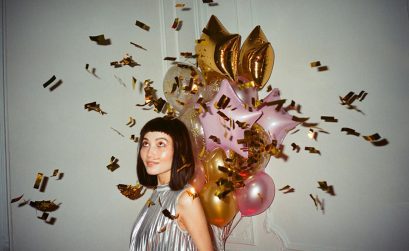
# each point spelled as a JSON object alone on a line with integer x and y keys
{"x": 226, "y": 120}
{"x": 276, "y": 123}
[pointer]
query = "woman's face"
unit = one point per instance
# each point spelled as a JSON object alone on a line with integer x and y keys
{"x": 157, "y": 155}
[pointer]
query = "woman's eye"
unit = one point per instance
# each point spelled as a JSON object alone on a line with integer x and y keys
{"x": 145, "y": 143}
{"x": 161, "y": 144}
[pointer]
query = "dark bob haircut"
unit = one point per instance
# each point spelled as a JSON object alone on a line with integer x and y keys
{"x": 182, "y": 153}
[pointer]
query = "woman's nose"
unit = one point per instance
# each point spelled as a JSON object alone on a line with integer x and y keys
{"x": 151, "y": 152}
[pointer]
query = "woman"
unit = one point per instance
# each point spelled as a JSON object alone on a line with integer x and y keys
{"x": 173, "y": 218}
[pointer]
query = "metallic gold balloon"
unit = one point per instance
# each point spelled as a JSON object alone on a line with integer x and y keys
{"x": 256, "y": 58}
{"x": 218, "y": 52}
{"x": 218, "y": 211}
{"x": 212, "y": 162}
{"x": 257, "y": 138}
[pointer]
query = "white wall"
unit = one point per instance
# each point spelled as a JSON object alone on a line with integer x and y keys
{"x": 365, "y": 44}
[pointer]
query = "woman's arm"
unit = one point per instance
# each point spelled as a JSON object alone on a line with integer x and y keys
{"x": 193, "y": 219}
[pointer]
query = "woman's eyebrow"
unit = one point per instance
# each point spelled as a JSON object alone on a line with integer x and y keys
{"x": 161, "y": 138}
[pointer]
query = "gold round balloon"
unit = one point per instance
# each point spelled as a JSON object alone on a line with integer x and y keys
{"x": 218, "y": 211}
{"x": 257, "y": 138}
{"x": 218, "y": 52}
{"x": 256, "y": 58}
{"x": 212, "y": 162}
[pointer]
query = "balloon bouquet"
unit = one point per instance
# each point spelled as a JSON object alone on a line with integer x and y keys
{"x": 233, "y": 132}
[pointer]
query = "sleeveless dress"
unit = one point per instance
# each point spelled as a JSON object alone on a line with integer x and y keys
{"x": 153, "y": 231}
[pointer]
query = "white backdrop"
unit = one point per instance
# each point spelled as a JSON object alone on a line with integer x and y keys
{"x": 365, "y": 44}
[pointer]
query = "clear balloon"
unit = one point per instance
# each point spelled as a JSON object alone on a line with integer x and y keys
{"x": 218, "y": 211}
{"x": 190, "y": 118}
{"x": 181, "y": 85}
{"x": 256, "y": 195}
{"x": 256, "y": 58}
{"x": 257, "y": 138}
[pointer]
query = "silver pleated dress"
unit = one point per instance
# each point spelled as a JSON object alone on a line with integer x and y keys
{"x": 153, "y": 231}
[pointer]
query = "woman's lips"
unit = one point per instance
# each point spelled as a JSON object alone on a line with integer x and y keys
{"x": 151, "y": 163}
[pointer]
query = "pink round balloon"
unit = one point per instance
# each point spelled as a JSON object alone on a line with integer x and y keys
{"x": 257, "y": 194}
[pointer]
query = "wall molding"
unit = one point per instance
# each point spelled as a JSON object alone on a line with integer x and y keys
{"x": 5, "y": 237}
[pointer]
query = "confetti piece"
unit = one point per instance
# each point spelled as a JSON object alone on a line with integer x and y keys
{"x": 54, "y": 86}
{"x": 126, "y": 60}
{"x": 312, "y": 134}
{"x": 315, "y": 64}
{"x": 295, "y": 147}
{"x": 170, "y": 58}
{"x": 38, "y": 180}
{"x": 162, "y": 229}
{"x": 133, "y": 83}
{"x": 350, "y": 131}
{"x": 222, "y": 103}
{"x": 100, "y": 39}
{"x": 45, "y": 205}
{"x": 215, "y": 139}
{"x": 113, "y": 164}
{"x": 44, "y": 184}
{"x": 318, "y": 203}
{"x": 55, "y": 173}
{"x": 329, "y": 119}
{"x": 177, "y": 24}
{"x": 142, "y": 25}
{"x": 120, "y": 81}
{"x": 179, "y": 5}
{"x": 150, "y": 203}
{"x": 60, "y": 176}
{"x": 134, "y": 138}
{"x": 44, "y": 216}
{"x": 376, "y": 140}
{"x": 92, "y": 72}
{"x": 192, "y": 193}
{"x": 322, "y": 68}
{"x": 207, "y": 1}
{"x": 25, "y": 202}
{"x": 93, "y": 106}
{"x": 131, "y": 192}
{"x": 213, "y": 4}
{"x": 169, "y": 215}
{"x": 311, "y": 149}
{"x": 186, "y": 165}
{"x": 131, "y": 122}
{"x": 17, "y": 198}
{"x": 293, "y": 106}
{"x": 324, "y": 187}
{"x": 188, "y": 55}
{"x": 298, "y": 119}
{"x": 118, "y": 132}
{"x": 137, "y": 46}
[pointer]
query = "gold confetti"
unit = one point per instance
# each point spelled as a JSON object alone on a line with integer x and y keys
{"x": 376, "y": 140}
{"x": 170, "y": 58}
{"x": 43, "y": 217}
{"x": 192, "y": 193}
{"x": 131, "y": 192}
{"x": 169, "y": 215}
{"x": 55, "y": 173}
{"x": 323, "y": 68}
{"x": 43, "y": 184}
{"x": 162, "y": 229}
{"x": 312, "y": 134}
{"x": 177, "y": 24}
{"x": 142, "y": 25}
{"x": 113, "y": 164}
{"x": 100, "y": 39}
{"x": 350, "y": 131}
{"x": 118, "y": 132}
{"x": 315, "y": 64}
{"x": 93, "y": 106}
{"x": 311, "y": 149}
{"x": 150, "y": 203}
{"x": 93, "y": 71}
{"x": 131, "y": 122}
{"x": 186, "y": 165}
{"x": 179, "y": 5}
{"x": 295, "y": 147}
{"x": 329, "y": 119}
{"x": 134, "y": 138}
{"x": 137, "y": 45}
{"x": 45, "y": 205}
{"x": 318, "y": 203}
{"x": 38, "y": 180}
{"x": 224, "y": 116}
{"x": 215, "y": 139}
{"x": 293, "y": 106}
{"x": 287, "y": 189}
{"x": 17, "y": 198}
{"x": 298, "y": 119}
{"x": 188, "y": 55}
{"x": 324, "y": 187}
{"x": 133, "y": 83}
{"x": 54, "y": 86}
{"x": 126, "y": 60}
